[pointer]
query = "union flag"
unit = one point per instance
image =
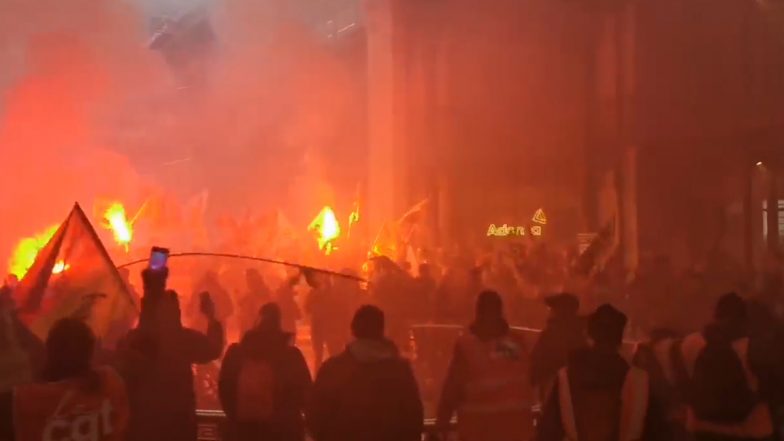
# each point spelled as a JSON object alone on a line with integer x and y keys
{"x": 73, "y": 276}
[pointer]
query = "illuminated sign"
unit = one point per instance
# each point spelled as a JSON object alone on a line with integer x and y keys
{"x": 513, "y": 231}
{"x": 536, "y": 230}
{"x": 539, "y": 217}
{"x": 505, "y": 230}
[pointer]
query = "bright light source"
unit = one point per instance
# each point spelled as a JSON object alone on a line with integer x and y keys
{"x": 760, "y": 164}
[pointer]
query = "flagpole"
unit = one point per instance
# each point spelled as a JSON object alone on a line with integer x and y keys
{"x": 256, "y": 259}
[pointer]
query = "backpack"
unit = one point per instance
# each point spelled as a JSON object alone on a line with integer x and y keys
{"x": 719, "y": 391}
{"x": 255, "y": 391}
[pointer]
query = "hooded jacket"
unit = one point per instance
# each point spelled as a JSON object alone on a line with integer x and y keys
{"x": 157, "y": 367}
{"x": 366, "y": 393}
{"x": 292, "y": 384}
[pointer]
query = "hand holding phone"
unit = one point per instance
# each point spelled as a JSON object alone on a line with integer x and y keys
{"x": 156, "y": 273}
{"x": 159, "y": 257}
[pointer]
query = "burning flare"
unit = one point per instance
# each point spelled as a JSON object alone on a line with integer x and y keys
{"x": 328, "y": 229}
{"x": 117, "y": 221}
{"x": 27, "y": 250}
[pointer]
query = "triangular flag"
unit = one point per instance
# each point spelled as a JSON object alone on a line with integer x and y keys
{"x": 73, "y": 276}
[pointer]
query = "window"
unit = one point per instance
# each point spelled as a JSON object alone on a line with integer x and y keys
{"x": 780, "y": 217}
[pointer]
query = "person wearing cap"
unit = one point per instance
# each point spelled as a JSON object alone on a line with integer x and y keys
{"x": 368, "y": 392}
{"x": 266, "y": 368}
{"x": 726, "y": 358}
{"x": 598, "y": 395}
{"x": 564, "y": 333}
{"x": 487, "y": 382}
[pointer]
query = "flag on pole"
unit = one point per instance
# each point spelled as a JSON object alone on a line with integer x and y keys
{"x": 598, "y": 252}
{"x": 73, "y": 276}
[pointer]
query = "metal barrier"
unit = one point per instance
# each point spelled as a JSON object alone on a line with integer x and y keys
{"x": 212, "y": 425}
{"x": 432, "y": 349}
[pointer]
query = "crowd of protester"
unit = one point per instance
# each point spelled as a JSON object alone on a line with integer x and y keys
{"x": 720, "y": 378}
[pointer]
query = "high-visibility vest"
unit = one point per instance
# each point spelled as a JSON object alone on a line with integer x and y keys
{"x": 67, "y": 411}
{"x": 497, "y": 397}
{"x": 628, "y": 421}
{"x": 759, "y": 423}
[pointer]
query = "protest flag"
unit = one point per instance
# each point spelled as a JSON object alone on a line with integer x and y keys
{"x": 73, "y": 276}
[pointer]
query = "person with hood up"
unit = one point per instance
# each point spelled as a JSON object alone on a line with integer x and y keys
{"x": 264, "y": 383}
{"x": 487, "y": 382}
{"x": 564, "y": 333}
{"x": 598, "y": 395}
{"x": 75, "y": 400}
{"x": 725, "y": 373}
{"x": 368, "y": 392}
{"x": 157, "y": 359}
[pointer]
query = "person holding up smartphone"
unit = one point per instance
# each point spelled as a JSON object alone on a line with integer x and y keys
{"x": 158, "y": 357}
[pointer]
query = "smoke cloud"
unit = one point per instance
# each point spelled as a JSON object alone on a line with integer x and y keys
{"x": 245, "y": 106}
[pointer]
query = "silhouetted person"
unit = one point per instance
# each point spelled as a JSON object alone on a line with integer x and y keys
{"x": 725, "y": 398}
{"x": 157, "y": 359}
{"x": 257, "y": 294}
{"x": 598, "y": 396}
{"x": 264, "y": 382}
{"x": 325, "y": 329}
{"x": 76, "y": 400}
{"x": 564, "y": 333}
{"x": 286, "y": 298}
{"x": 367, "y": 393}
{"x": 487, "y": 382}
{"x": 224, "y": 305}
{"x": 391, "y": 291}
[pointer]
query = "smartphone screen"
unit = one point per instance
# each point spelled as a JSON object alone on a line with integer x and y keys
{"x": 158, "y": 258}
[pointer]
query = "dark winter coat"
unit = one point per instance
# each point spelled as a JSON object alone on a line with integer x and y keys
{"x": 158, "y": 373}
{"x": 367, "y": 393}
{"x": 292, "y": 386}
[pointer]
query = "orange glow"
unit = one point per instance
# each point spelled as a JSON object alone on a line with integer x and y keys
{"x": 60, "y": 267}
{"x": 328, "y": 228}
{"x": 27, "y": 250}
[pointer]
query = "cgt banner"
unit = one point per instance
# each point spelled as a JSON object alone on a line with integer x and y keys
{"x": 73, "y": 276}
{"x": 72, "y": 410}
